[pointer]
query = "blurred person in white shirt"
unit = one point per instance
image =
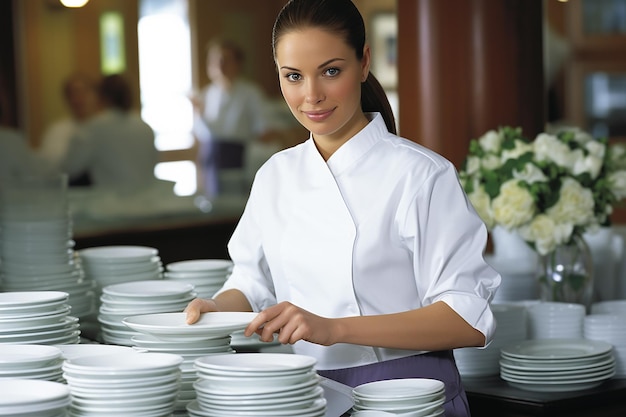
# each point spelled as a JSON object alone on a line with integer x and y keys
{"x": 80, "y": 93}
{"x": 116, "y": 146}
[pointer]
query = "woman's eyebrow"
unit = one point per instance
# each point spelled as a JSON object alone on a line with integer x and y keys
{"x": 322, "y": 65}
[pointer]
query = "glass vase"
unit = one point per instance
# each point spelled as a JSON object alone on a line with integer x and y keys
{"x": 566, "y": 273}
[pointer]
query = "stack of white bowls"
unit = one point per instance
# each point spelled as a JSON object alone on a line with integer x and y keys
{"x": 479, "y": 362}
{"x": 258, "y": 384}
{"x": 36, "y": 245}
{"x": 557, "y": 365}
{"x": 610, "y": 328}
{"x": 410, "y": 397}
{"x": 207, "y": 275}
{"x": 115, "y": 264}
{"x": 123, "y": 384}
{"x": 119, "y": 301}
{"x": 553, "y": 319}
{"x": 31, "y": 362}
{"x": 33, "y": 398}
{"x": 37, "y": 317}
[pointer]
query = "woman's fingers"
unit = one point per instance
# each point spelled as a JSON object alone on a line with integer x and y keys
{"x": 195, "y": 308}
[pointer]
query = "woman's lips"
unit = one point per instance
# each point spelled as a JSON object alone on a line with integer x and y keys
{"x": 318, "y": 115}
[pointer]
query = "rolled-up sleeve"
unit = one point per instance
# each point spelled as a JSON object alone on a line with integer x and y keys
{"x": 448, "y": 240}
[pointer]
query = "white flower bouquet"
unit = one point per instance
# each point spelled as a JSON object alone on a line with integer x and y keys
{"x": 547, "y": 190}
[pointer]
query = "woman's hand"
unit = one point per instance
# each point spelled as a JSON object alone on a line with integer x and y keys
{"x": 291, "y": 323}
{"x": 198, "y": 306}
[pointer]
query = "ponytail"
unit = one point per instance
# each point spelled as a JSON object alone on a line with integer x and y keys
{"x": 374, "y": 99}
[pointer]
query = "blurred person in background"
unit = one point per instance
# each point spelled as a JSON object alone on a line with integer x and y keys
{"x": 80, "y": 93}
{"x": 116, "y": 147}
{"x": 229, "y": 115}
{"x": 17, "y": 158}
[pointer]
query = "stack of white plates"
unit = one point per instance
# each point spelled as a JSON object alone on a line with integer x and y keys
{"x": 119, "y": 301}
{"x": 555, "y": 320}
{"x": 207, "y": 275}
{"x": 257, "y": 384}
{"x": 609, "y": 307}
{"x": 37, "y": 317}
{"x": 411, "y": 397}
{"x": 36, "y": 245}
{"x": 475, "y": 362}
{"x": 189, "y": 351}
{"x": 33, "y": 398}
{"x": 123, "y": 384}
{"x": 557, "y": 365}
{"x": 108, "y": 265}
{"x": 31, "y": 362}
{"x": 610, "y": 328}
{"x": 169, "y": 333}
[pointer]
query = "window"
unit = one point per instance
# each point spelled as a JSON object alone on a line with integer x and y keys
{"x": 165, "y": 82}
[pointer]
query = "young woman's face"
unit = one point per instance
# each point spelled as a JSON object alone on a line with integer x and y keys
{"x": 320, "y": 79}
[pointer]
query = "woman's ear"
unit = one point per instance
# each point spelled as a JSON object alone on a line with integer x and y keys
{"x": 365, "y": 62}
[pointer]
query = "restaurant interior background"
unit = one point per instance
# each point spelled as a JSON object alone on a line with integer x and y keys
{"x": 159, "y": 45}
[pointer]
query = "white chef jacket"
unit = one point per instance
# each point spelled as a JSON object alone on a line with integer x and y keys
{"x": 382, "y": 227}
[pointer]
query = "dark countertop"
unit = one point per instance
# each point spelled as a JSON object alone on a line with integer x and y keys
{"x": 494, "y": 395}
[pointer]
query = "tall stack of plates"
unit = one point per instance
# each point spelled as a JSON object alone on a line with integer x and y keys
{"x": 555, "y": 320}
{"x": 411, "y": 396}
{"x": 108, "y": 265}
{"x": 257, "y": 384}
{"x": 119, "y": 301}
{"x": 123, "y": 384}
{"x": 207, "y": 275}
{"x": 169, "y": 333}
{"x": 31, "y": 362}
{"x": 478, "y": 362}
{"x": 557, "y": 365}
{"x": 33, "y": 398}
{"x": 609, "y": 307}
{"x": 37, "y": 317}
{"x": 610, "y": 328}
{"x": 36, "y": 245}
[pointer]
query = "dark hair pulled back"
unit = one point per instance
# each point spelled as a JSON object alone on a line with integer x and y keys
{"x": 343, "y": 18}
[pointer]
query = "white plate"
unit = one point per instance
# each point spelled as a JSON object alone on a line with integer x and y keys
{"x": 29, "y": 395}
{"x": 399, "y": 388}
{"x": 124, "y": 363}
{"x": 150, "y": 289}
{"x": 549, "y": 367}
{"x": 209, "y": 390}
{"x": 556, "y": 386}
{"x": 196, "y": 265}
{"x": 556, "y": 349}
{"x": 264, "y": 364}
{"x": 147, "y": 341}
{"x": 118, "y": 253}
{"x": 30, "y": 298}
{"x": 27, "y": 356}
{"x": 90, "y": 349}
{"x": 174, "y": 325}
{"x": 316, "y": 410}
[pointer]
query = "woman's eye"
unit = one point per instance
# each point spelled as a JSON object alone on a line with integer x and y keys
{"x": 293, "y": 76}
{"x": 333, "y": 72}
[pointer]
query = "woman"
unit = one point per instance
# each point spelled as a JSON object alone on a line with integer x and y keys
{"x": 358, "y": 247}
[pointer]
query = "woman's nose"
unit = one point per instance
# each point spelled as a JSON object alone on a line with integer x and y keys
{"x": 314, "y": 93}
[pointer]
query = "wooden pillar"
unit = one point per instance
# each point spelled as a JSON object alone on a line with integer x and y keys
{"x": 467, "y": 66}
